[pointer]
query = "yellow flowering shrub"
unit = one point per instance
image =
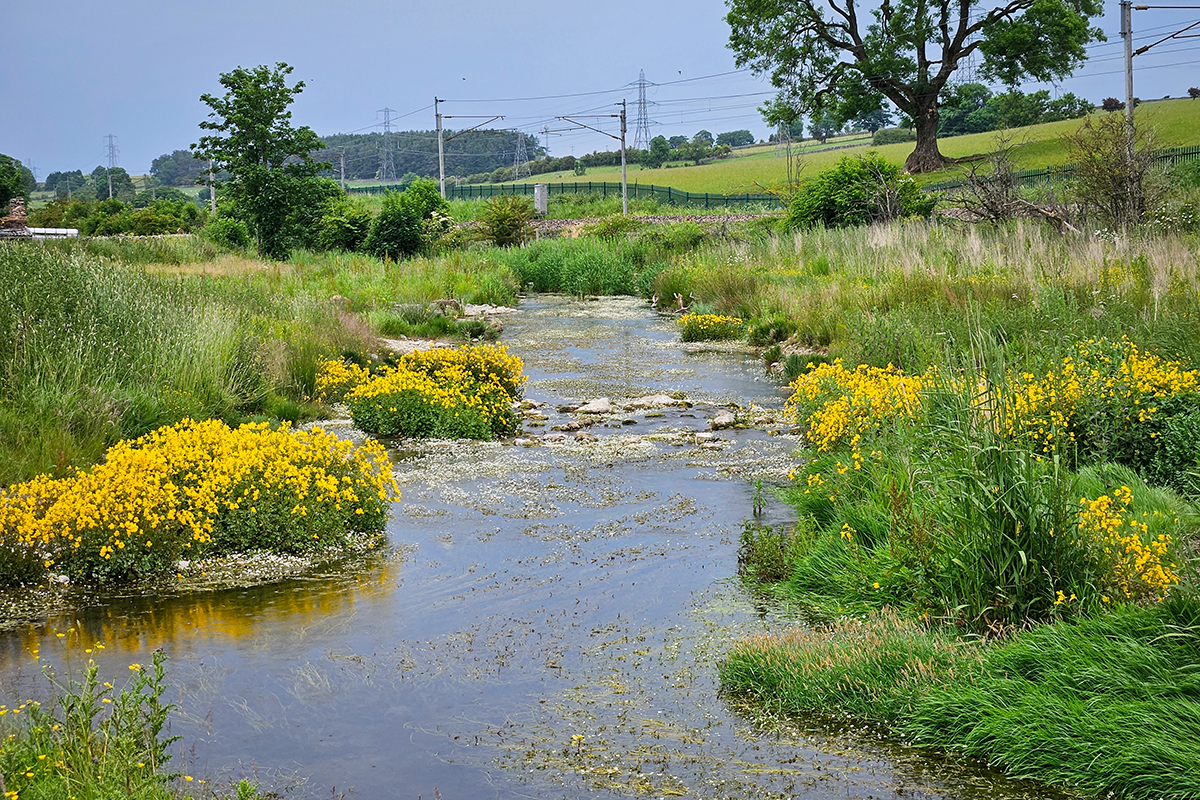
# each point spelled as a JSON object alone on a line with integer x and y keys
{"x": 708, "y": 327}
{"x": 835, "y": 403}
{"x": 467, "y": 392}
{"x": 1138, "y": 567}
{"x": 195, "y": 488}
{"x": 336, "y": 378}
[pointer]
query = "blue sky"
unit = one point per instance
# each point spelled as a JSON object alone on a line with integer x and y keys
{"x": 136, "y": 69}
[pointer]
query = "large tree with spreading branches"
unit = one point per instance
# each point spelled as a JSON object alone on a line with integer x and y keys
{"x": 833, "y": 56}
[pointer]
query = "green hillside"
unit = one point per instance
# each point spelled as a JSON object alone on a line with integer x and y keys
{"x": 1175, "y": 122}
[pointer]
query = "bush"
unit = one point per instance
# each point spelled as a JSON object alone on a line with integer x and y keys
{"x": 893, "y": 136}
{"x": 709, "y": 327}
{"x": 397, "y": 232}
{"x": 344, "y": 225}
{"x": 462, "y": 393}
{"x": 505, "y": 219}
{"x": 1109, "y": 186}
{"x": 196, "y": 488}
{"x": 859, "y": 190}
{"x": 228, "y": 232}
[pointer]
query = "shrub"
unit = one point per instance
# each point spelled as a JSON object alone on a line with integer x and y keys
{"x": 396, "y": 232}
{"x": 198, "y": 488}
{"x": 893, "y": 136}
{"x": 228, "y": 232}
{"x": 612, "y": 227}
{"x": 505, "y": 219}
{"x": 344, "y": 225}
{"x": 445, "y": 393}
{"x": 771, "y": 330}
{"x": 859, "y": 190}
{"x": 1109, "y": 185}
{"x": 709, "y": 327}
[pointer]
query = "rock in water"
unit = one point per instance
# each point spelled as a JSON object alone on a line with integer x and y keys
{"x": 600, "y": 406}
{"x": 723, "y": 419}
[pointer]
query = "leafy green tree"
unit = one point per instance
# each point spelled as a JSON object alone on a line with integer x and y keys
{"x": 824, "y": 126}
{"x": 65, "y": 183}
{"x": 122, "y": 184}
{"x": 1194, "y": 92}
{"x": 398, "y": 231}
{"x": 735, "y": 138}
{"x": 874, "y": 120}
{"x": 677, "y": 142}
{"x": 823, "y": 54}
{"x": 703, "y": 137}
{"x": 12, "y": 180}
{"x": 659, "y": 152}
{"x": 267, "y": 159}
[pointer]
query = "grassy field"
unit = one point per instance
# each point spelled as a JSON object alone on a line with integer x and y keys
{"x": 1176, "y": 123}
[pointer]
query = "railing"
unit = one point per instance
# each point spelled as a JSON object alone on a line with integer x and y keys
{"x": 663, "y": 194}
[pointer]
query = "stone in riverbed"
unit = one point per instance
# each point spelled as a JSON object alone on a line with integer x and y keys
{"x": 599, "y": 406}
{"x": 584, "y": 436}
{"x": 723, "y": 419}
{"x": 651, "y": 401}
{"x": 554, "y": 437}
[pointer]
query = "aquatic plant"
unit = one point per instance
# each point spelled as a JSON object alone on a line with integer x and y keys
{"x": 194, "y": 489}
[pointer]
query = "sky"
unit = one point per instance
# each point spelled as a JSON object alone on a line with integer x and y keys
{"x": 135, "y": 69}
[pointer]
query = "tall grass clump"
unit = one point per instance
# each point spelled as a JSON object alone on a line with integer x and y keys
{"x": 93, "y": 351}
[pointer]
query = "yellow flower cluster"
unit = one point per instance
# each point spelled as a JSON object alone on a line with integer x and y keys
{"x": 177, "y": 488}
{"x": 1138, "y": 568}
{"x": 708, "y": 327}
{"x": 336, "y": 378}
{"x": 836, "y": 403}
{"x": 463, "y": 392}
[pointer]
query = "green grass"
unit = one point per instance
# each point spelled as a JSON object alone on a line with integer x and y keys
{"x": 756, "y": 169}
{"x": 1111, "y": 704}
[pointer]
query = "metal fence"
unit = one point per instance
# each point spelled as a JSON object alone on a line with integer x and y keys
{"x": 1039, "y": 177}
{"x": 663, "y": 194}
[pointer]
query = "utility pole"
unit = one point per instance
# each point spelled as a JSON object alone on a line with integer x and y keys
{"x": 621, "y": 138}
{"x": 441, "y": 148}
{"x": 443, "y": 139}
{"x": 1127, "y": 35}
{"x": 386, "y": 168}
{"x": 212, "y": 189}
{"x": 641, "y": 136}
{"x": 113, "y": 150}
{"x": 624, "y": 183}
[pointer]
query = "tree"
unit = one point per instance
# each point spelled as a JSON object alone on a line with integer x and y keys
{"x": 874, "y": 120}
{"x": 822, "y": 56}
{"x": 1194, "y": 92}
{"x": 11, "y": 181}
{"x": 735, "y": 138}
{"x": 703, "y": 137}
{"x": 1112, "y": 104}
{"x": 122, "y": 184}
{"x": 659, "y": 152}
{"x": 824, "y": 126}
{"x": 65, "y": 183}
{"x": 677, "y": 142}
{"x": 254, "y": 141}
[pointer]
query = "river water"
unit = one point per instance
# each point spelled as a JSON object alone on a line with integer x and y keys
{"x": 548, "y": 625}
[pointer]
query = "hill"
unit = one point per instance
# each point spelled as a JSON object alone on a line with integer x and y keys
{"x": 1175, "y": 122}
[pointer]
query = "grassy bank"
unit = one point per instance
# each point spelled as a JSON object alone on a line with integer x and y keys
{"x": 1109, "y": 705}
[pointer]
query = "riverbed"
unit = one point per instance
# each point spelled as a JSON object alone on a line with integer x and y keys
{"x": 547, "y": 621}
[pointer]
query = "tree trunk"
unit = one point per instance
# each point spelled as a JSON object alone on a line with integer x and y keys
{"x": 926, "y": 157}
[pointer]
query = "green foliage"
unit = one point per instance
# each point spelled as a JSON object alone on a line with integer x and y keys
{"x": 12, "y": 183}
{"x": 612, "y": 227}
{"x": 94, "y": 741}
{"x": 344, "y": 225}
{"x": 735, "y": 138}
{"x": 819, "y": 59}
{"x": 859, "y": 190}
{"x": 505, "y": 219}
{"x": 770, "y": 330}
{"x": 269, "y": 161}
{"x": 396, "y": 233}
{"x": 229, "y": 232}
{"x": 658, "y": 153}
{"x": 116, "y": 218}
{"x": 769, "y": 555}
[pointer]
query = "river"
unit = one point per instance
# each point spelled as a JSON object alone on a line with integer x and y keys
{"x": 549, "y": 621}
